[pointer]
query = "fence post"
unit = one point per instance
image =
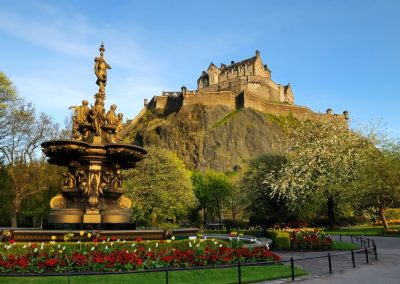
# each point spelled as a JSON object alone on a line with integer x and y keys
{"x": 292, "y": 267}
{"x": 352, "y": 258}
{"x": 366, "y": 255}
{"x": 375, "y": 251}
{"x": 330, "y": 263}
{"x": 239, "y": 273}
{"x": 340, "y": 237}
{"x": 166, "y": 276}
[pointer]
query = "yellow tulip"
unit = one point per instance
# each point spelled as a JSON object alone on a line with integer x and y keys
{"x": 89, "y": 235}
{"x": 53, "y": 238}
{"x": 81, "y": 233}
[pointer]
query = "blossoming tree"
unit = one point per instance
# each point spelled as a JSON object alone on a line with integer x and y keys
{"x": 321, "y": 160}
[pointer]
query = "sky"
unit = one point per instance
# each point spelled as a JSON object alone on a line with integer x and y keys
{"x": 342, "y": 54}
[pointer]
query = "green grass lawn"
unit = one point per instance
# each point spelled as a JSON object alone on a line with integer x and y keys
{"x": 213, "y": 276}
{"x": 361, "y": 231}
{"x": 337, "y": 245}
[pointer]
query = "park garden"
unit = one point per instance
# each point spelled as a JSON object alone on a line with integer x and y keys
{"x": 326, "y": 178}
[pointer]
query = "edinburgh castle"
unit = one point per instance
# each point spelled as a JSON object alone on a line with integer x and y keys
{"x": 244, "y": 84}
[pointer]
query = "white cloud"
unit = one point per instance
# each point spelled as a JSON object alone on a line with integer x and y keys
{"x": 73, "y": 35}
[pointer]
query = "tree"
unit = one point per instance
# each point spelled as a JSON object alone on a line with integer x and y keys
{"x": 378, "y": 182}
{"x": 28, "y": 180}
{"x": 8, "y": 95}
{"x": 321, "y": 160}
{"x": 264, "y": 208}
{"x": 21, "y": 135}
{"x": 237, "y": 200}
{"x": 160, "y": 188}
{"x": 5, "y": 196}
{"x": 212, "y": 190}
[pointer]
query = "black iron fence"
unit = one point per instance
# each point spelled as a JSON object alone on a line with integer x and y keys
{"x": 368, "y": 248}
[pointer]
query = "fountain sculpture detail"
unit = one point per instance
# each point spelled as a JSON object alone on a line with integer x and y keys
{"x": 92, "y": 188}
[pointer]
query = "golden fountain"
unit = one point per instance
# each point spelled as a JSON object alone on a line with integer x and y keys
{"x": 92, "y": 192}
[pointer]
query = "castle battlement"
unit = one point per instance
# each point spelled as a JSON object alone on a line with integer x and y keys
{"x": 247, "y": 75}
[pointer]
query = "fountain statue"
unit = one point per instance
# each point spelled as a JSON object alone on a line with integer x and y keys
{"x": 92, "y": 186}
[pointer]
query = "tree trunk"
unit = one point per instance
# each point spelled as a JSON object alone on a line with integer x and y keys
{"x": 219, "y": 214}
{"x": 383, "y": 218}
{"x": 153, "y": 218}
{"x": 204, "y": 217}
{"x": 14, "y": 218}
{"x": 331, "y": 212}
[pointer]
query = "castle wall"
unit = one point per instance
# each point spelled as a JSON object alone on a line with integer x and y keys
{"x": 225, "y": 98}
{"x": 298, "y": 112}
{"x": 160, "y": 102}
{"x": 245, "y": 99}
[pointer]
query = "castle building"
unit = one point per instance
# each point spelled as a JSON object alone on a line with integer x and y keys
{"x": 245, "y": 84}
{"x": 247, "y": 75}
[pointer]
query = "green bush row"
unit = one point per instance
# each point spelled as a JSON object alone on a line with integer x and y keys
{"x": 281, "y": 240}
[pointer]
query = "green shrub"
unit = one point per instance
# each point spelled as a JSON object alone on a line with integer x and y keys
{"x": 283, "y": 240}
{"x": 271, "y": 234}
{"x": 280, "y": 239}
{"x": 392, "y": 213}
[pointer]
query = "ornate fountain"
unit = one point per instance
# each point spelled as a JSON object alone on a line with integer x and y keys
{"x": 92, "y": 188}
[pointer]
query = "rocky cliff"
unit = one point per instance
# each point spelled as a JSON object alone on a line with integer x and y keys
{"x": 210, "y": 137}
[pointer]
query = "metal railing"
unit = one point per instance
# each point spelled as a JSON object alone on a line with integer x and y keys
{"x": 368, "y": 247}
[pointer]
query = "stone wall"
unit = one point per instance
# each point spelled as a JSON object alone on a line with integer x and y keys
{"x": 299, "y": 112}
{"x": 246, "y": 99}
{"x": 225, "y": 98}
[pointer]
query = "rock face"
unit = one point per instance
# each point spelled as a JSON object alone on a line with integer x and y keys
{"x": 214, "y": 137}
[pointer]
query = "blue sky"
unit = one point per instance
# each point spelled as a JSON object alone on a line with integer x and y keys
{"x": 340, "y": 54}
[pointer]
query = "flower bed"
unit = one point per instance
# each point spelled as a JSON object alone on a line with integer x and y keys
{"x": 107, "y": 255}
{"x": 300, "y": 239}
{"x": 391, "y": 232}
{"x": 310, "y": 240}
{"x": 391, "y": 222}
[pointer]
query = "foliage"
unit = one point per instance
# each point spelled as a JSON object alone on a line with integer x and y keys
{"x": 122, "y": 256}
{"x": 263, "y": 207}
{"x": 160, "y": 187}
{"x": 301, "y": 239}
{"x": 8, "y": 95}
{"x": 212, "y": 190}
{"x": 28, "y": 180}
{"x": 283, "y": 240}
{"x": 280, "y": 239}
{"x": 378, "y": 180}
{"x": 237, "y": 202}
{"x": 21, "y": 133}
{"x": 321, "y": 158}
{"x": 393, "y": 213}
{"x": 226, "y": 118}
{"x": 5, "y": 195}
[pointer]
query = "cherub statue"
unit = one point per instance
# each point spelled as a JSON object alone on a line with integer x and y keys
{"x": 69, "y": 181}
{"x": 116, "y": 181}
{"x": 81, "y": 112}
{"x": 120, "y": 126}
{"x": 80, "y": 117}
{"x": 111, "y": 117}
{"x": 97, "y": 116}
